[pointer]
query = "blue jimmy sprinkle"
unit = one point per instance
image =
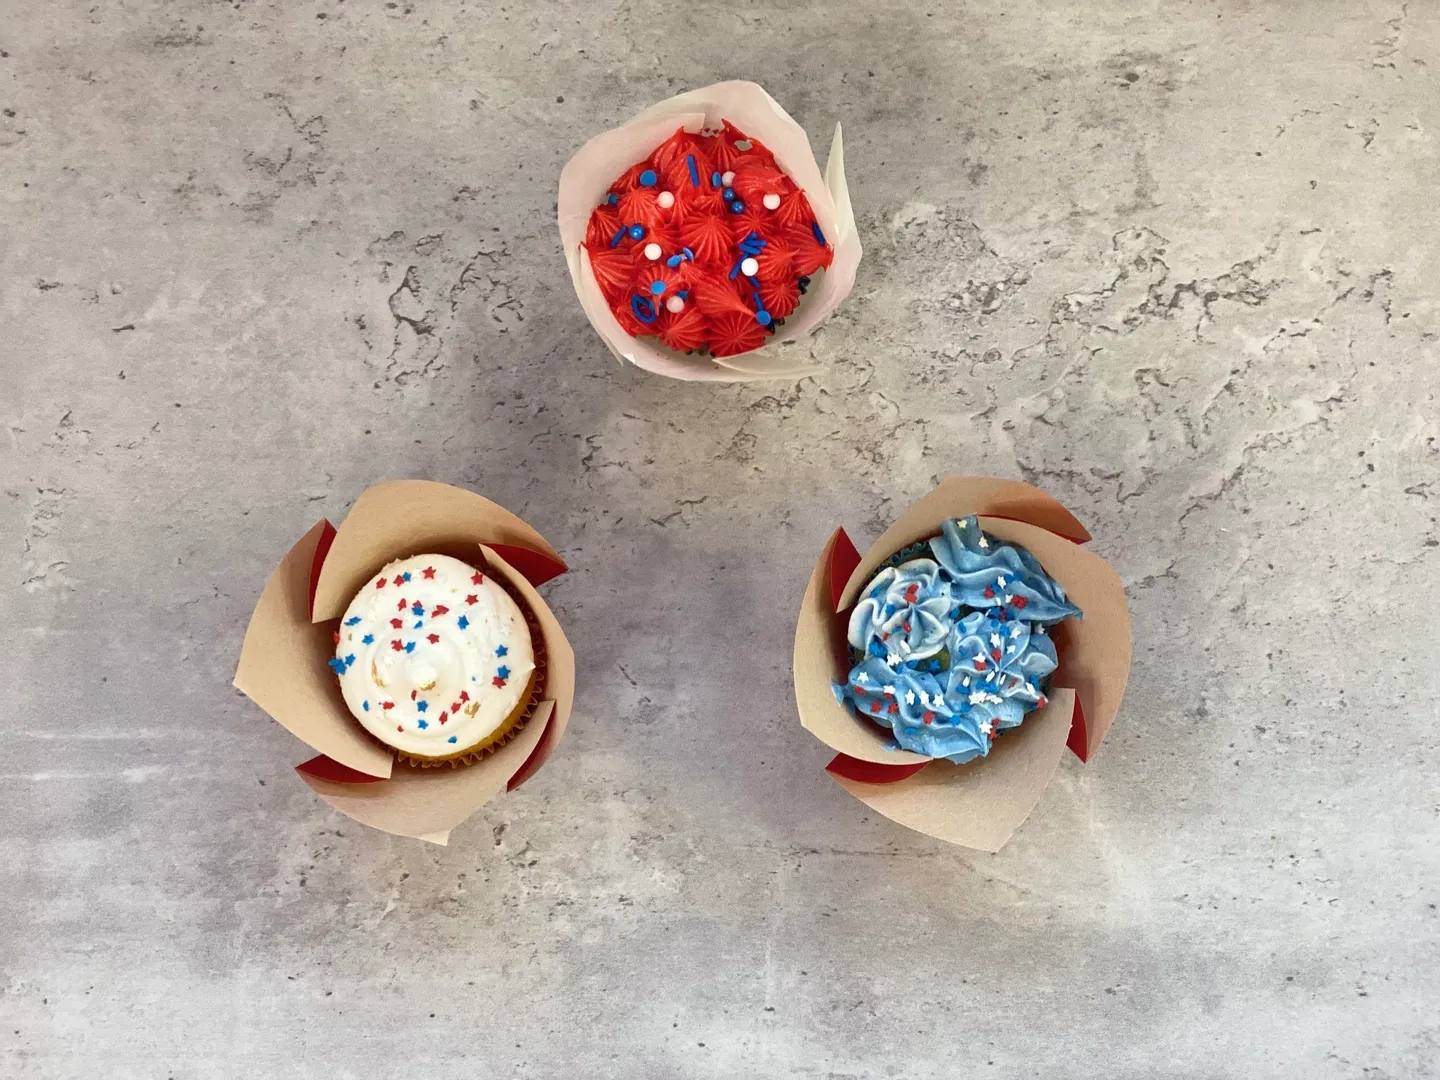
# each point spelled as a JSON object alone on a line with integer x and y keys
{"x": 714, "y": 179}
{"x": 819, "y": 236}
{"x": 694, "y": 172}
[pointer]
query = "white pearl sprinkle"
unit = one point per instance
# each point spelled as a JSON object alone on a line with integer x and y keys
{"x": 674, "y": 305}
{"x": 727, "y": 178}
{"x": 771, "y": 201}
{"x": 653, "y": 252}
{"x": 749, "y": 267}
{"x": 665, "y": 199}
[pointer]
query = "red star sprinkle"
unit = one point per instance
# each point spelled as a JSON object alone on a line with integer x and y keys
{"x": 894, "y": 708}
{"x": 454, "y": 708}
{"x": 402, "y": 605}
{"x": 464, "y": 695}
{"x": 444, "y": 716}
{"x": 875, "y": 706}
{"x": 396, "y": 645}
{"x": 995, "y": 655}
{"x": 434, "y": 639}
{"x": 979, "y": 663}
{"x": 989, "y": 593}
{"x": 428, "y": 573}
{"x": 929, "y": 717}
{"x": 1018, "y": 603}
{"x": 907, "y": 628}
{"x": 498, "y": 681}
{"x": 381, "y": 583}
{"x": 396, "y": 623}
{"x": 477, "y": 578}
{"x": 387, "y": 704}
{"x": 472, "y": 599}
{"x": 399, "y": 727}
{"x": 438, "y": 610}
{"x": 397, "y": 579}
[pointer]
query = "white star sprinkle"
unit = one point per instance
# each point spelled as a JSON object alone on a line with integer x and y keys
{"x": 983, "y": 542}
{"x": 994, "y": 639}
{"x": 1000, "y": 581}
{"x": 862, "y": 678}
{"x": 888, "y": 691}
{"x": 909, "y": 697}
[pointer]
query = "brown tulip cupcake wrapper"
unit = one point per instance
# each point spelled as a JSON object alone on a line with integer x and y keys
{"x": 981, "y": 803}
{"x": 282, "y": 666}
{"x": 514, "y": 723}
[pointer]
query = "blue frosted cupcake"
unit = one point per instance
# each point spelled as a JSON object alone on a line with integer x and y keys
{"x": 950, "y": 642}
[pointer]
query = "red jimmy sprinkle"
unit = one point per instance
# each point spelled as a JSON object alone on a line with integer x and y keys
{"x": 705, "y": 244}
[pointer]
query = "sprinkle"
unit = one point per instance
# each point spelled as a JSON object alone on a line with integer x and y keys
{"x": 501, "y": 650}
{"x": 737, "y": 207}
{"x": 694, "y": 172}
{"x": 636, "y": 232}
{"x": 422, "y": 724}
{"x": 418, "y": 624}
{"x": 665, "y": 200}
{"x": 643, "y": 309}
{"x": 995, "y": 655}
{"x": 368, "y": 639}
{"x": 396, "y": 623}
{"x": 387, "y": 705}
{"x": 929, "y": 717}
{"x": 648, "y": 178}
{"x": 472, "y": 599}
{"x": 1018, "y": 603}
{"x": 715, "y": 179}
{"x": 399, "y": 727}
{"x": 409, "y": 646}
{"x": 503, "y": 672}
{"x": 619, "y": 235}
{"x": 743, "y": 144}
{"x": 397, "y": 580}
{"x": 1000, "y": 581}
{"x": 749, "y": 267}
{"x": 657, "y": 287}
{"x": 463, "y": 622}
{"x": 653, "y": 251}
{"x": 498, "y": 681}
{"x": 464, "y": 695}
{"x": 418, "y": 608}
{"x": 353, "y": 620}
{"x": 434, "y": 639}
{"x": 727, "y": 178}
{"x": 365, "y": 705}
{"x": 402, "y": 605}
{"x": 819, "y": 236}
{"x": 336, "y": 665}
{"x": 612, "y": 199}
{"x": 397, "y": 645}
{"x": 675, "y": 305}
{"x": 443, "y": 717}
{"x": 406, "y": 575}
{"x": 428, "y": 573}
{"x": 771, "y": 201}
{"x": 876, "y": 706}
{"x": 729, "y": 193}
{"x": 438, "y": 610}
{"x": 422, "y": 706}
{"x": 674, "y": 260}
{"x": 763, "y": 317}
{"x": 453, "y": 738}
{"x": 381, "y": 583}
{"x": 894, "y": 707}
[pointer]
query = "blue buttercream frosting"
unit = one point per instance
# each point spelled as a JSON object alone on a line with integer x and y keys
{"x": 952, "y": 650}
{"x": 986, "y": 573}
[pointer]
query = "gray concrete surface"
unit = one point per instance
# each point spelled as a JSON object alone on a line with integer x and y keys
{"x": 1175, "y": 262}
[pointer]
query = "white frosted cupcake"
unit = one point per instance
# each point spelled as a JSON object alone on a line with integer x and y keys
{"x": 436, "y": 659}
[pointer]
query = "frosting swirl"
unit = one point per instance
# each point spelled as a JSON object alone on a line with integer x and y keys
{"x": 950, "y": 651}
{"x": 433, "y": 656}
{"x": 986, "y": 573}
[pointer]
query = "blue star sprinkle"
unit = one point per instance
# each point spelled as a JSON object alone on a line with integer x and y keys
{"x": 453, "y": 738}
{"x": 422, "y": 706}
{"x": 405, "y": 576}
{"x": 337, "y": 665}
{"x": 503, "y": 671}
{"x": 462, "y": 622}
{"x": 368, "y": 639}
{"x": 422, "y": 724}
{"x": 409, "y": 646}
{"x": 353, "y": 620}
{"x": 418, "y": 608}
{"x": 501, "y": 650}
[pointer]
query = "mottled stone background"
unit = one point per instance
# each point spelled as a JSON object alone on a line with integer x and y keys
{"x": 1175, "y": 262}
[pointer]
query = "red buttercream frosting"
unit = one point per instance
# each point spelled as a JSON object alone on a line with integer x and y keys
{"x": 679, "y": 205}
